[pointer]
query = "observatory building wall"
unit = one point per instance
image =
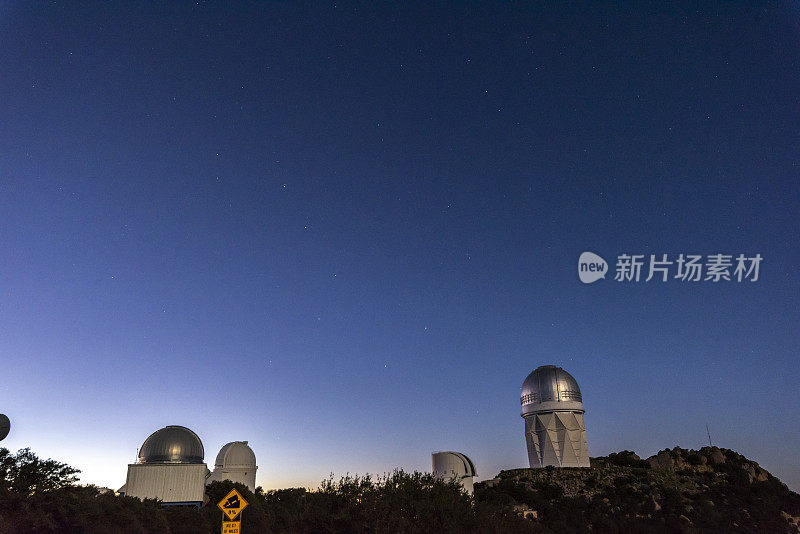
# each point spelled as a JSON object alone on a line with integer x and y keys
{"x": 176, "y": 483}
{"x": 248, "y": 478}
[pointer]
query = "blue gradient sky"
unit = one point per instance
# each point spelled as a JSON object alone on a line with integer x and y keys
{"x": 348, "y": 232}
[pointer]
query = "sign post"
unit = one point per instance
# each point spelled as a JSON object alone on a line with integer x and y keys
{"x": 232, "y": 505}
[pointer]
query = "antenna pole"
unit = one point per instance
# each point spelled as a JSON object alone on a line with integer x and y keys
{"x": 709, "y": 436}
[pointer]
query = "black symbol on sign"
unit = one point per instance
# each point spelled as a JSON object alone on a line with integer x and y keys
{"x": 232, "y": 502}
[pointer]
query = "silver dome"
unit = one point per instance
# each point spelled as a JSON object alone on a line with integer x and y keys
{"x": 172, "y": 444}
{"x": 547, "y": 384}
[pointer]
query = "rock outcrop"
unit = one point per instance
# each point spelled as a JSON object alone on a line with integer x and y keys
{"x": 676, "y": 490}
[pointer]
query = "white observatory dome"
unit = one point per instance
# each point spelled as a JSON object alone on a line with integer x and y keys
{"x": 235, "y": 462}
{"x": 236, "y": 454}
{"x": 451, "y": 465}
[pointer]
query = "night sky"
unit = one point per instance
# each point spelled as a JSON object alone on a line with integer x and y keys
{"x": 347, "y": 232}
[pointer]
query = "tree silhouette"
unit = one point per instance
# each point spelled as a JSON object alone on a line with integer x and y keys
{"x": 28, "y": 474}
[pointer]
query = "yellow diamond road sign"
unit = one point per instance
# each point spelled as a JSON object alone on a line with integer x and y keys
{"x": 232, "y": 504}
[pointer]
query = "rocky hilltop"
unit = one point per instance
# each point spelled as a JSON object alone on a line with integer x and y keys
{"x": 676, "y": 490}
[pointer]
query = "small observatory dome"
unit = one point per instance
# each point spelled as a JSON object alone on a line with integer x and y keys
{"x": 236, "y": 454}
{"x": 236, "y": 462}
{"x": 451, "y": 465}
{"x": 172, "y": 444}
{"x": 547, "y": 384}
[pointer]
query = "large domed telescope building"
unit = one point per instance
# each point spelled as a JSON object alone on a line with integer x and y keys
{"x": 170, "y": 467}
{"x": 552, "y": 406}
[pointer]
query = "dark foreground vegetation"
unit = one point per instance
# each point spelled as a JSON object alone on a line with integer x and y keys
{"x": 710, "y": 490}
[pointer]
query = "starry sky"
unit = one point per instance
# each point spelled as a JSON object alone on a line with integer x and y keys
{"x": 346, "y": 232}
